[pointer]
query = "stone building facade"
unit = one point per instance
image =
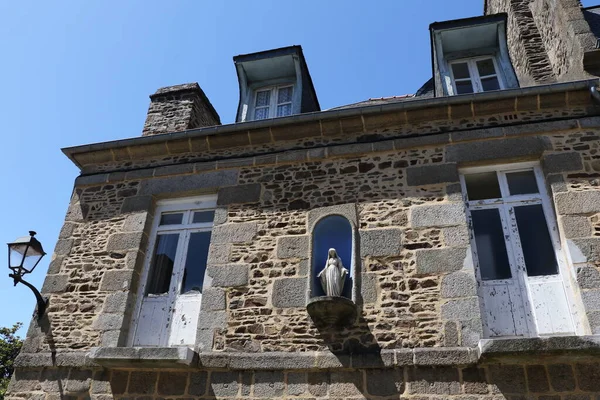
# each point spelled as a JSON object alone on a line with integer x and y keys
{"x": 405, "y": 173}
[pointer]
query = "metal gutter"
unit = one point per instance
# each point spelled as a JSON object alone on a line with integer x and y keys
{"x": 332, "y": 114}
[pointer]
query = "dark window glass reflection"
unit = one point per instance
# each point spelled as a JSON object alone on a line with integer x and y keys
{"x": 162, "y": 263}
{"x": 491, "y": 247}
{"x": 482, "y": 186}
{"x": 195, "y": 262}
{"x": 522, "y": 182}
{"x": 538, "y": 250}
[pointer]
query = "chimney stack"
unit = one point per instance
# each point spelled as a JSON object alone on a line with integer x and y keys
{"x": 178, "y": 108}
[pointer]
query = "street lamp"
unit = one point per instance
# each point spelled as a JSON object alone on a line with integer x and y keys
{"x": 24, "y": 254}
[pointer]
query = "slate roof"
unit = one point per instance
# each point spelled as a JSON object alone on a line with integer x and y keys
{"x": 424, "y": 92}
{"x": 592, "y": 16}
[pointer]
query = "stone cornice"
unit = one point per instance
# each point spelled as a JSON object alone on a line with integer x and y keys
{"x": 347, "y": 122}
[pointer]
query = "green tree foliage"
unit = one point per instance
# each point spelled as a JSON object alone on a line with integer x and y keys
{"x": 10, "y": 345}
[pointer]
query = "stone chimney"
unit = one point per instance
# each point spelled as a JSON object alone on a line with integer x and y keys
{"x": 178, "y": 108}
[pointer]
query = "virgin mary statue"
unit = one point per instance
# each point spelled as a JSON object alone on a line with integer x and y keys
{"x": 333, "y": 276}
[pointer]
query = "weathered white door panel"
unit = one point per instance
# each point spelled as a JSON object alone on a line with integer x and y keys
{"x": 185, "y": 320}
{"x": 549, "y": 302}
{"x": 504, "y": 311}
{"x": 152, "y": 323}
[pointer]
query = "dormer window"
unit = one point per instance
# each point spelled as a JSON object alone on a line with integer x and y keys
{"x": 274, "y": 84}
{"x": 475, "y": 75}
{"x": 471, "y": 56}
{"x": 271, "y": 102}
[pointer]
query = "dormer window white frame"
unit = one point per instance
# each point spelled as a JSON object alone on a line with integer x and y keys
{"x": 476, "y": 74}
{"x": 273, "y": 101}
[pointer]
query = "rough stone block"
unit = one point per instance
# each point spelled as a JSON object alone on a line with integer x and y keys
{"x": 108, "y": 322}
{"x": 537, "y": 379}
{"x": 142, "y": 382}
{"x": 213, "y": 299}
{"x": 296, "y": 383}
{"x": 172, "y": 383}
{"x": 508, "y": 376}
{"x": 118, "y": 381}
{"x": 431, "y": 174}
{"x": 368, "y": 288}
{"x": 218, "y": 254}
{"x": 292, "y": 246}
{"x": 63, "y": 246}
{"x": 562, "y": 378}
{"x": 220, "y": 216}
{"x": 224, "y": 384}
{"x": 422, "y": 141}
{"x": 318, "y": 383}
{"x": 55, "y": 264}
{"x": 460, "y": 310}
{"x": 591, "y": 299}
{"x": 385, "y": 382}
{"x": 67, "y": 230}
{"x": 471, "y": 331}
{"x": 588, "y": 278}
{"x": 179, "y": 169}
{"x": 474, "y": 381}
{"x": 136, "y": 222}
{"x": 234, "y": 233}
{"x": 578, "y": 202}
{"x": 24, "y": 381}
{"x": 198, "y": 382}
{"x": 137, "y": 204}
{"x": 79, "y": 381}
{"x": 239, "y": 194}
{"x": 268, "y": 384}
{"x": 575, "y": 226}
{"x": 529, "y": 146}
{"x": 289, "y": 292}
{"x": 126, "y": 241}
{"x": 346, "y": 384}
{"x": 562, "y": 162}
{"x": 442, "y": 356}
{"x": 441, "y": 381}
{"x": 436, "y": 261}
{"x": 477, "y": 134}
{"x": 589, "y": 247}
{"x": 114, "y": 280}
{"x": 380, "y": 242}
{"x": 438, "y": 215}
{"x": 459, "y": 284}
{"x": 187, "y": 183}
{"x": 55, "y": 283}
{"x": 450, "y": 334}
{"x": 349, "y": 149}
{"x": 117, "y": 302}
{"x": 229, "y": 275}
{"x": 456, "y": 236}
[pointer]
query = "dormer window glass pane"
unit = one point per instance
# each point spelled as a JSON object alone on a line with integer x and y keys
{"x": 263, "y": 101}
{"x": 475, "y": 75}
{"x": 284, "y": 101}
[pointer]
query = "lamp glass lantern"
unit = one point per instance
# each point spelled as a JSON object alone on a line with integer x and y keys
{"x": 24, "y": 254}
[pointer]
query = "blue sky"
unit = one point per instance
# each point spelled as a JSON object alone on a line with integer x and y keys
{"x": 77, "y": 72}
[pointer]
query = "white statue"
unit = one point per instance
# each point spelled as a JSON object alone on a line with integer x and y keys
{"x": 333, "y": 276}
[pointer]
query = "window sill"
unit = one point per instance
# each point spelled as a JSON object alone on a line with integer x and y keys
{"x": 494, "y": 350}
{"x": 151, "y": 357}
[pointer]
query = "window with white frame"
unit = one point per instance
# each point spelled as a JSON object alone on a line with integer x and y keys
{"x": 516, "y": 252}
{"x": 167, "y": 314}
{"x": 474, "y": 75}
{"x": 271, "y": 102}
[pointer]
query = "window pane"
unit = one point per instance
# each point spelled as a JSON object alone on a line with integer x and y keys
{"x": 486, "y": 67}
{"x": 195, "y": 262}
{"x": 284, "y": 95}
{"x": 522, "y": 182}
{"x": 162, "y": 264}
{"x": 535, "y": 241}
{"x": 284, "y": 110}
{"x": 491, "y": 248}
{"x": 460, "y": 70}
{"x": 171, "y": 219}
{"x": 463, "y": 87}
{"x": 203, "y": 216}
{"x": 490, "y": 84}
{"x": 261, "y": 113}
{"x": 263, "y": 98}
{"x": 482, "y": 186}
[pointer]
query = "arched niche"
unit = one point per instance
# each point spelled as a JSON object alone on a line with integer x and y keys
{"x": 334, "y": 227}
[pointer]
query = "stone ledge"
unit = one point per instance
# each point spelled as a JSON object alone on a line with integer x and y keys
{"x": 147, "y": 357}
{"x": 493, "y": 350}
